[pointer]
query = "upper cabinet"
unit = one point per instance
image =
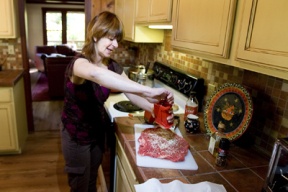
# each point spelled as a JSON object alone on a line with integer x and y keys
{"x": 203, "y": 26}
{"x": 125, "y": 10}
{"x": 7, "y": 19}
{"x": 153, "y": 11}
{"x": 263, "y": 37}
{"x": 122, "y": 7}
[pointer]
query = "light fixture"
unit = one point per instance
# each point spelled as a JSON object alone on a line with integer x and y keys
{"x": 160, "y": 26}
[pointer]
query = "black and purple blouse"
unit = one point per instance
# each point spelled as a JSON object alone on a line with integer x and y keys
{"x": 84, "y": 115}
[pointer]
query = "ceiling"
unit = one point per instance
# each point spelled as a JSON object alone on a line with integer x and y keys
{"x": 71, "y": 2}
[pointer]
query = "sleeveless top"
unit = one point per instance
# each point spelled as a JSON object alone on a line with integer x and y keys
{"x": 84, "y": 115}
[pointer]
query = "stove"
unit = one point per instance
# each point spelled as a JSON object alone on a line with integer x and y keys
{"x": 172, "y": 79}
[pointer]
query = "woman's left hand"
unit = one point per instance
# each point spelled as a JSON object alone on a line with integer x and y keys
{"x": 159, "y": 94}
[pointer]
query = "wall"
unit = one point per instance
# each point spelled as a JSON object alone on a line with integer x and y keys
{"x": 11, "y": 61}
{"x": 269, "y": 94}
{"x": 35, "y": 26}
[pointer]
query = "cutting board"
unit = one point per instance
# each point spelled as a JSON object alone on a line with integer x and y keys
{"x": 146, "y": 161}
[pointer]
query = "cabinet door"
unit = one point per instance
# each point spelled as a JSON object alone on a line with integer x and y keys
{"x": 142, "y": 10}
{"x": 7, "y": 128}
{"x": 121, "y": 184}
{"x": 160, "y": 11}
{"x": 264, "y": 34}
{"x": 125, "y": 10}
{"x": 203, "y": 26}
{"x": 7, "y": 18}
{"x": 129, "y": 14}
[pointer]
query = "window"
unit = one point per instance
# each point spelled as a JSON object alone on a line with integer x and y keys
{"x": 64, "y": 26}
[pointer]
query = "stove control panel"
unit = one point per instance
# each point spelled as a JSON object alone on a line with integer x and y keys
{"x": 179, "y": 80}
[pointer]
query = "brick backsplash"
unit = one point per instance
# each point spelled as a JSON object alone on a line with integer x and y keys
{"x": 269, "y": 94}
{"x": 11, "y": 61}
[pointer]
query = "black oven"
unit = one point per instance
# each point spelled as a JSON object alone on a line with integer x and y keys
{"x": 277, "y": 176}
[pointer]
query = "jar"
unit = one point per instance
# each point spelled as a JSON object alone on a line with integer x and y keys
{"x": 192, "y": 124}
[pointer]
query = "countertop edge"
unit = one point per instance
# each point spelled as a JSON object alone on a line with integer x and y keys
{"x": 8, "y": 78}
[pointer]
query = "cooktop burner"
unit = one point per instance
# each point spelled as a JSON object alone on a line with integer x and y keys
{"x": 126, "y": 106}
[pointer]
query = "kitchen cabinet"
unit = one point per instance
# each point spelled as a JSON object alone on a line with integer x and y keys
{"x": 125, "y": 178}
{"x": 125, "y": 10}
{"x": 251, "y": 34}
{"x": 7, "y": 19}
{"x": 153, "y": 11}
{"x": 13, "y": 120}
{"x": 94, "y": 7}
{"x": 203, "y": 26}
{"x": 263, "y": 35}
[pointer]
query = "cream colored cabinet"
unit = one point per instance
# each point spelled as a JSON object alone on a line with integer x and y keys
{"x": 153, "y": 11}
{"x": 203, "y": 26}
{"x": 263, "y": 37}
{"x": 7, "y": 19}
{"x": 125, "y": 10}
{"x": 142, "y": 10}
{"x": 122, "y": 184}
{"x": 125, "y": 178}
{"x": 13, "y": 120}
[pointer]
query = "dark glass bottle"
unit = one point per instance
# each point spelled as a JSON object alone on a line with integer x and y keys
{"x": 221, "y": 159}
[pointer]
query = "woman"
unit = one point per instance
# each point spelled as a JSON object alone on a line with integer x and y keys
{"x": 88, "y": 81}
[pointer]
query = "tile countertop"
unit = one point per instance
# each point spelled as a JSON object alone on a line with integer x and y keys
{"x": 246, "y": 170}
{"x": 8, "y": 78}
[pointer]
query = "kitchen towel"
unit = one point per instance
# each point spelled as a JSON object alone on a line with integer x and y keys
{"x": 177, "y": 186}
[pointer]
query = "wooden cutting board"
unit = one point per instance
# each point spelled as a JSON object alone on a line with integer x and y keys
{"x": 146, "y": 161}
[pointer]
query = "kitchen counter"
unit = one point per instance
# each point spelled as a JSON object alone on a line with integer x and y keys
{"x": 8, "y": 78}
{"x": 246, "y": 170}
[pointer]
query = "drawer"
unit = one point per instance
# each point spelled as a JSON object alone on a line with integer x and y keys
{"x": 125, "y": 162}
{"x": 5, "y": 94}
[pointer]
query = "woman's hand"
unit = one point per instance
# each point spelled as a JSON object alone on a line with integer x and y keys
{"x": 170, "y": 118}
{"x": 158, "y": 94}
